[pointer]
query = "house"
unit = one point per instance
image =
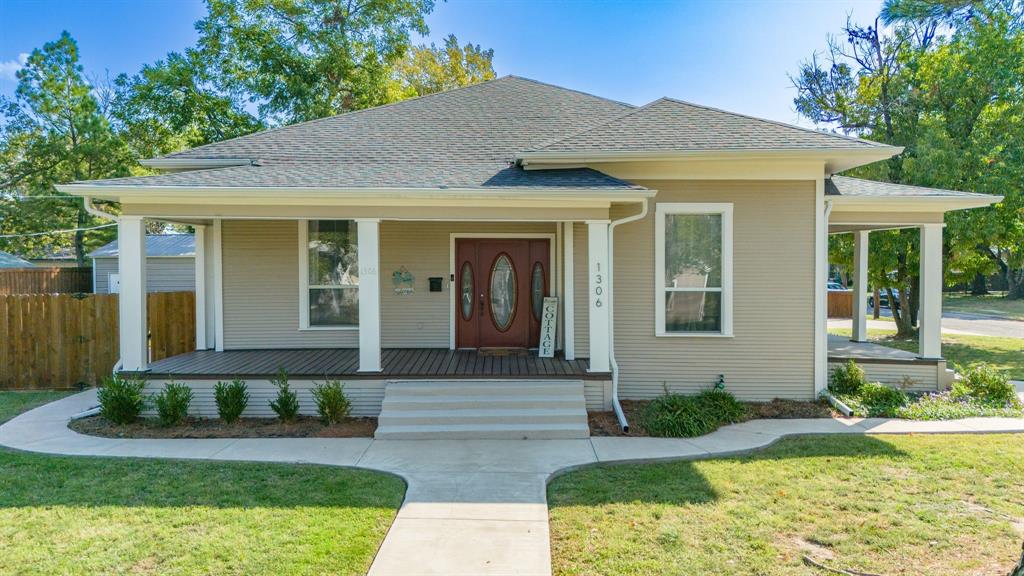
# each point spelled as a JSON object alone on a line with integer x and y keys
{"x": 406, "y": 249}
{"x": 11, "y": 261}
{"x": 170, "y": 265}
{"x": 55, "y": 257}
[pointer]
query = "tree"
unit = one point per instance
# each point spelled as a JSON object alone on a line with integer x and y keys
{"x": 430, "y": 69}
{"x": 53, "y": 132}
{"x": 305, "y": 59}
{"x": 174, "y": 104}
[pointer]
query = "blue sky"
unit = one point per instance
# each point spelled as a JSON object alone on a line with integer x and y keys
{"x": 732, "y": 55}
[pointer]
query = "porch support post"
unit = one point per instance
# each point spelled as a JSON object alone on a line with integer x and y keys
{"x": 930, "y": 312}
{"x": 200, "y": 286}
{"x": 131, "y": 241}
{"x": 217, "y": 253}
{"x": 369, "y": 294}
{"x": 597, "y": 251}
{"x": 822, "y": 210}
{"x": 860, "y": 286}
{"x": 569, "y": 297}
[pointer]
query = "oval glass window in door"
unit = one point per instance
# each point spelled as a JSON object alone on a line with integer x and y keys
{"x": 466, "y": 290}
{"x": 537, "y": 290}
{"x": 503, "y": 292}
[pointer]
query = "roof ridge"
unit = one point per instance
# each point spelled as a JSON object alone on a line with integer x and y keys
{"x": 776, "y": 122}
{"x": 635, "y": 110}
{"x": 915, "y": 186}
{"x": 389, "y": 105}
{"x": 550, "y": 85}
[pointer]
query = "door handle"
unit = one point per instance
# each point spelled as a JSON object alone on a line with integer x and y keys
{"x": 481, "y": 303}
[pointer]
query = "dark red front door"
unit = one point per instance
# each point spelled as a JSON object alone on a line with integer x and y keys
{"x": 500, "y": 285}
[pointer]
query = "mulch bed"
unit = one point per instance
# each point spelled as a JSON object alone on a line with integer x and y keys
{"x": 606, "y": 424}
{"x": 303, "y": 427}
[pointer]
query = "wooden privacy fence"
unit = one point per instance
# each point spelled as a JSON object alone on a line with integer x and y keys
{"x": 62, "y": 340}
{"x": 840, "y": 304}
{"x": 45, "y": 280}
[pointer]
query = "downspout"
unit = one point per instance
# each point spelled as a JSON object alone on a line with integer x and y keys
{"x": 616, "y": 405}
{"x": 92, "y": 209}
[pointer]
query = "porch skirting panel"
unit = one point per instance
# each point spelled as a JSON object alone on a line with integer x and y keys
{"x": 366, "y": 396}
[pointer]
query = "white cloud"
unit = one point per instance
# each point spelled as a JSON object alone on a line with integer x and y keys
{"x": 8, "y": 68}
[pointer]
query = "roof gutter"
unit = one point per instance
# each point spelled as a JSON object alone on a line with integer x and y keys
{"x": 589, "y": 156}
{"x": 92, "y": 209}
{"x": 616, "y": 405}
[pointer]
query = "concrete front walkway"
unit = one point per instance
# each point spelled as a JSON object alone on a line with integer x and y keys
{"x": 472, "y": 507}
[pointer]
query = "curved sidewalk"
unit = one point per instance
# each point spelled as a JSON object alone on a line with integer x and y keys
{"x": 472, "y": 507}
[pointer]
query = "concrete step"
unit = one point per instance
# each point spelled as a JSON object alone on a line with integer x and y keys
{"x": 474, "y": 401}
{"x": 483, "y": 409}
{"x": 483, "y": 432}
{"x": 483, "y": 416}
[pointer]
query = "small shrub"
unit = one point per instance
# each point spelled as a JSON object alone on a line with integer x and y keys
{"x": 232, "y": 398}
{"x": 121, "y": 399}
{"x": 847, "y": 379}
{"x": 679, "y": 416}
{"x": 331, "y": 402}
{"x": 984, "y": 384}
{"x": 172, "y": 403}
{"x": 722, "y": 406}
{"x": 943, "y": 407}
{"x": 286, "y": 405}
{"x": 877, "y": 400}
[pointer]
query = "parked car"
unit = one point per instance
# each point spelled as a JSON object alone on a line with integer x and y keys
{"x": 883, "y": 298}
{"x": 834, "y": 286}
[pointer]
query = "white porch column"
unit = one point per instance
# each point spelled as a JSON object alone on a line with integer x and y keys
{"x": 569, "y": 297}
{"x": 200, "y": 289}
{"x": 597, "y": 250}
{"x": 929, "y": 315}
{"x": 131, "y": 243}
{"x": 369, "y": 294}
{"x": 860, "y": 286}
{"x": 217, "y": 274}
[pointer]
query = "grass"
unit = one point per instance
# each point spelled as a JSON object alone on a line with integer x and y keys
{"x": 13, "y": 403}
{"x": 79, "y": 515}
{"x": 1004, "y": 353}
{"x": 938, "y": 505}
{"x": 992, "y": 305}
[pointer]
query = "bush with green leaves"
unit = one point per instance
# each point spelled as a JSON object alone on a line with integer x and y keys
{"x": 172, "y": 403}
{"x": 876, "y": 400}
{"x": 231, "y": 398}
{"x": 681, "y": 416}
{"x": 286, "y": 405}
{"x": 331, "y": 402}
{"x": 985, "y": 384}
{"x": 847, "y": 379}
{"x": 941, "y": 406}
{"x": 121, "y": 399}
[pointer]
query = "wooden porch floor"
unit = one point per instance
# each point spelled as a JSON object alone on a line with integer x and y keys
{"x": 396, "y": 363}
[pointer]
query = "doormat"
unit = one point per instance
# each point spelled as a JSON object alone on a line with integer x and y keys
{"x": 503, "y": 352}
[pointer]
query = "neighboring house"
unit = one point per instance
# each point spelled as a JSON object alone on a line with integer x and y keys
{"x": 12, "y": 261}
{"x": 56, "y": 258}
{"x": 170, "y": 264}
{"x": 407, "y": 246}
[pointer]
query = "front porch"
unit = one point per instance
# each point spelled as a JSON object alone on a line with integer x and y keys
{"x": 343, "y": 363}
{"x": 889, "y": 365}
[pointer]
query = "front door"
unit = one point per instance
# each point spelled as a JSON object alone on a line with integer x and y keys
{"x": 501, "y": 284}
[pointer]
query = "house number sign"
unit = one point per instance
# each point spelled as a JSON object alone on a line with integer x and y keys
{"x": 548, "y": 323}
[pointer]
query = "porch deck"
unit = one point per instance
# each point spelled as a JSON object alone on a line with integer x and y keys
{"x": 344, "y": 362}
{"x": 841, "y": 349}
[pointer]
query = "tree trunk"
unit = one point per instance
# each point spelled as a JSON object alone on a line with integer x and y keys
{"x": 877, "y": 312}
{"x": 979, "y": 286}
{"x": 901, "y": 313}
{"x": 80, "y": 237}
{"x": 1015, "y": 283}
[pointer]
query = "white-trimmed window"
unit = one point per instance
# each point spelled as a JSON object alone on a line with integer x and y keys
{"x": 693, "y": 269}
{"x": 328, "y": 275}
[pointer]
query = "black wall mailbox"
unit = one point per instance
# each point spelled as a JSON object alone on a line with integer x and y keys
{"x": 436, "y": 283}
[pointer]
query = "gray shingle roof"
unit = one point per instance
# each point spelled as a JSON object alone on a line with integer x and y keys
{"x": 12, "y": 261}
{"x": 379, "y": 175}
{"x": 676, "y": 126}
{"x": 156, "y": 245}
{"x": 846, "y": 186}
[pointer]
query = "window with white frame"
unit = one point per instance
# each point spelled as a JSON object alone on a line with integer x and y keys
{"x": 693, "y": 274}
{"x": 329, "y": 274}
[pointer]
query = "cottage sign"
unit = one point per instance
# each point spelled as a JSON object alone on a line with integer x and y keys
{"x": 548, "y": 323}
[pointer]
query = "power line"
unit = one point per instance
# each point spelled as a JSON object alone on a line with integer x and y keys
{"x": 58, "y": 231}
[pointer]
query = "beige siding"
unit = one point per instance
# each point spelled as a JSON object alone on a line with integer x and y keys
{"x": 163, "y": 274}
{"x": 261, "y": 284}
{"x": 908, "y": 376}
{"x": 772, "y": 352}
{"x": 261, "y": 289}
{"x": 581, "y": 291}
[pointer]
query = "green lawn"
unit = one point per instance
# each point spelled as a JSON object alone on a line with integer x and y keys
{"x": 13, "y": 403}
{"x": 80, "y": 515}
{"x": 937, "y": 505}
{"x": 1004, "y": 353}
{"x": 993, "y": 305}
